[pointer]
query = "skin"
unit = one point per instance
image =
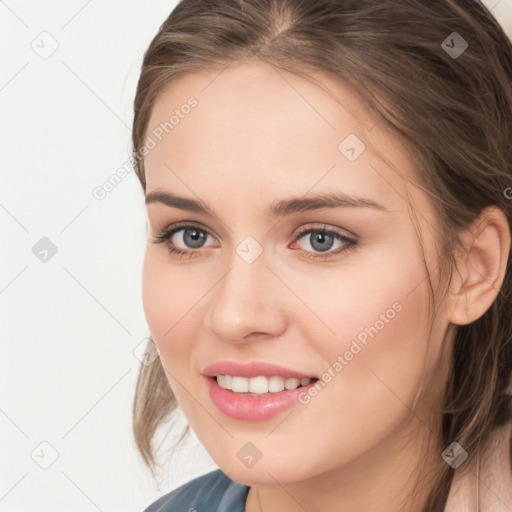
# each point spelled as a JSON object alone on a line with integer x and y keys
{"x": 259, "y": 135}
{"x": 494, "y": 476}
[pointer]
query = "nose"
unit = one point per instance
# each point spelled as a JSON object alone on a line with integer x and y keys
{"x": 247, "y": 303}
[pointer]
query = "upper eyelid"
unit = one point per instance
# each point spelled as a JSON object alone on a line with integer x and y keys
{"x": 178, "y": 227}
{"x": 338, "y": 231}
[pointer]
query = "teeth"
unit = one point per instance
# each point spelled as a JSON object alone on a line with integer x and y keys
{"x": 259, "y": 385}
{"x": 240, "y": 384}
{"x": 276, "y": 384}
{"x": 224, "y": 381}
{"x": 256, "y": 384}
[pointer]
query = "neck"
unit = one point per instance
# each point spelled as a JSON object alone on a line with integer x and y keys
{"x": 381, "y": 480}
{"x": 486, "y": 482}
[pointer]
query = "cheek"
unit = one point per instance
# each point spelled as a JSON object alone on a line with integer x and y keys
{"x": 154, "y": 299}
{"x": 168, "y": 303}
{"x": 168, "y": 300}
{"x": 375, "y": 359}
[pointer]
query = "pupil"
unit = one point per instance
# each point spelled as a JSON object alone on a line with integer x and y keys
{"x": 321, "y": 237}
{"x": 194, "y": 236}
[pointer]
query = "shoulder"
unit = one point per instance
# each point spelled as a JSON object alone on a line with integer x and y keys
{"x": 211, "y": 492}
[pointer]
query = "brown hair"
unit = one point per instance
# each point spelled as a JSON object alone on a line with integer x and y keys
{"x": 454, "y": 112}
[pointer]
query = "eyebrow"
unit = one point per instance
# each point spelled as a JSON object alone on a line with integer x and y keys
{"x": 278, "y": 209}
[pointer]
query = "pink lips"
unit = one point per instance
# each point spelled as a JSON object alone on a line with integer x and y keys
{"x": 247, "y": 407}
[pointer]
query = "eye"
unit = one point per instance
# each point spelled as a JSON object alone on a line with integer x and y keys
{"x": 193, "y": 237}
{"x": 322, "y": 240}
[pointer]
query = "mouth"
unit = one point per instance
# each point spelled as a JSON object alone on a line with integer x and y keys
{"x": 256, "y": 398}
{"x": 261, "y": 385}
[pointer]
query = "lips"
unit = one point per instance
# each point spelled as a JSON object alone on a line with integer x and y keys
{"x": 248, "y": 406}
{"x": 253, "y": 408}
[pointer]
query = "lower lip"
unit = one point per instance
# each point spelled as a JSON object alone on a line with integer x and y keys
{"x": 253, "y": 408}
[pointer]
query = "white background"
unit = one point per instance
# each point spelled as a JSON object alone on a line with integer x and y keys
{"x": 70, "y": 325}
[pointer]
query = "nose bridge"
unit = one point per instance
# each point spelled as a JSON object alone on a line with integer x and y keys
{"x": 244, "y": 300}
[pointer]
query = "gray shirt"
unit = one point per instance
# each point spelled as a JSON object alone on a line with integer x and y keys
{"x": 213, "y": 492}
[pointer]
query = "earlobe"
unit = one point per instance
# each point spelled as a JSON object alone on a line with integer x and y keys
{"x": 481, "y": 268}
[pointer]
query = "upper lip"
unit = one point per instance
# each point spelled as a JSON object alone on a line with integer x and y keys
{"x": 252, "y": 369}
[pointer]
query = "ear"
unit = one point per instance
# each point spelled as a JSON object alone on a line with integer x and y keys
{"x": 480, "y": 269}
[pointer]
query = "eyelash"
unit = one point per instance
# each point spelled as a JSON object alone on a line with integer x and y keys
{"x": 164, "y": 236}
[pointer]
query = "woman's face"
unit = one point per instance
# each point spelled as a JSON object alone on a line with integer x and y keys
{"x": 260, "y": 147}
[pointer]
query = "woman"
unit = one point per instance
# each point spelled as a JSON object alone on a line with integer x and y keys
{"x": 327, "y": 276}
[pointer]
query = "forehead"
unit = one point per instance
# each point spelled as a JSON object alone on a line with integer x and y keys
{"x": 261, "y": 127}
